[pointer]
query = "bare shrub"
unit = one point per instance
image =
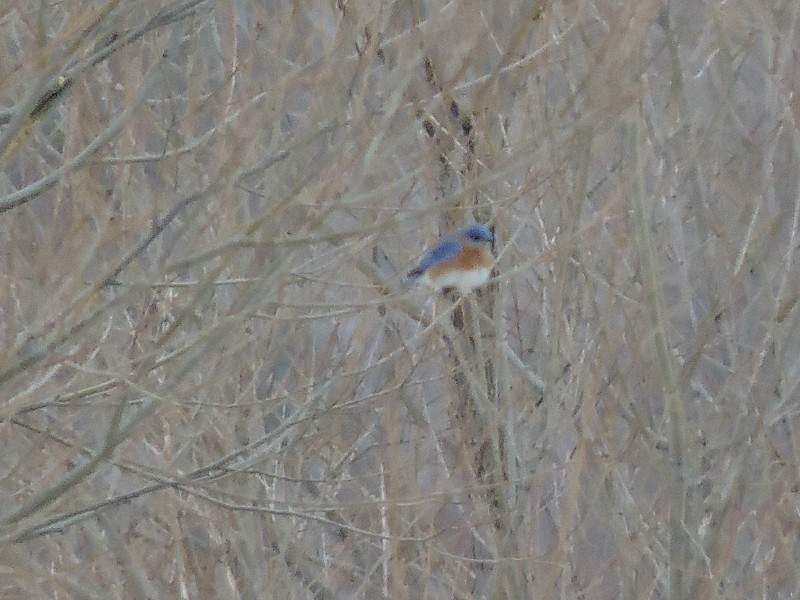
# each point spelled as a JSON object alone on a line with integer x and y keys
{"x": 214, "y": 384}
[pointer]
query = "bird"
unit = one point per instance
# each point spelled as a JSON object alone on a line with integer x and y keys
{"x": 462, "y": 260}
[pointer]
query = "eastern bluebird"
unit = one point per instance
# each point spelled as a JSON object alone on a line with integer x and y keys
{"x": 462, "y": 260}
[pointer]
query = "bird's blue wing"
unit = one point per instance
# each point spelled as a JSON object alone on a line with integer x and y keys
{"x": 443, "y": 251}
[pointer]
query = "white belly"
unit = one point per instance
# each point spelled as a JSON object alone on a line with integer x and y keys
{"x": 464, "y": 281}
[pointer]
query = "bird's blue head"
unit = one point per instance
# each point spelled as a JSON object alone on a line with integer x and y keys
{"x": 478, "y": 233}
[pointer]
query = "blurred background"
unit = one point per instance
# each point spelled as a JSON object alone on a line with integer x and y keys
{"x": 214, "y": 385}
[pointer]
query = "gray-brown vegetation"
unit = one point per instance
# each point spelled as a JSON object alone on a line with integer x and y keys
{"x": 213, "y": 385}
